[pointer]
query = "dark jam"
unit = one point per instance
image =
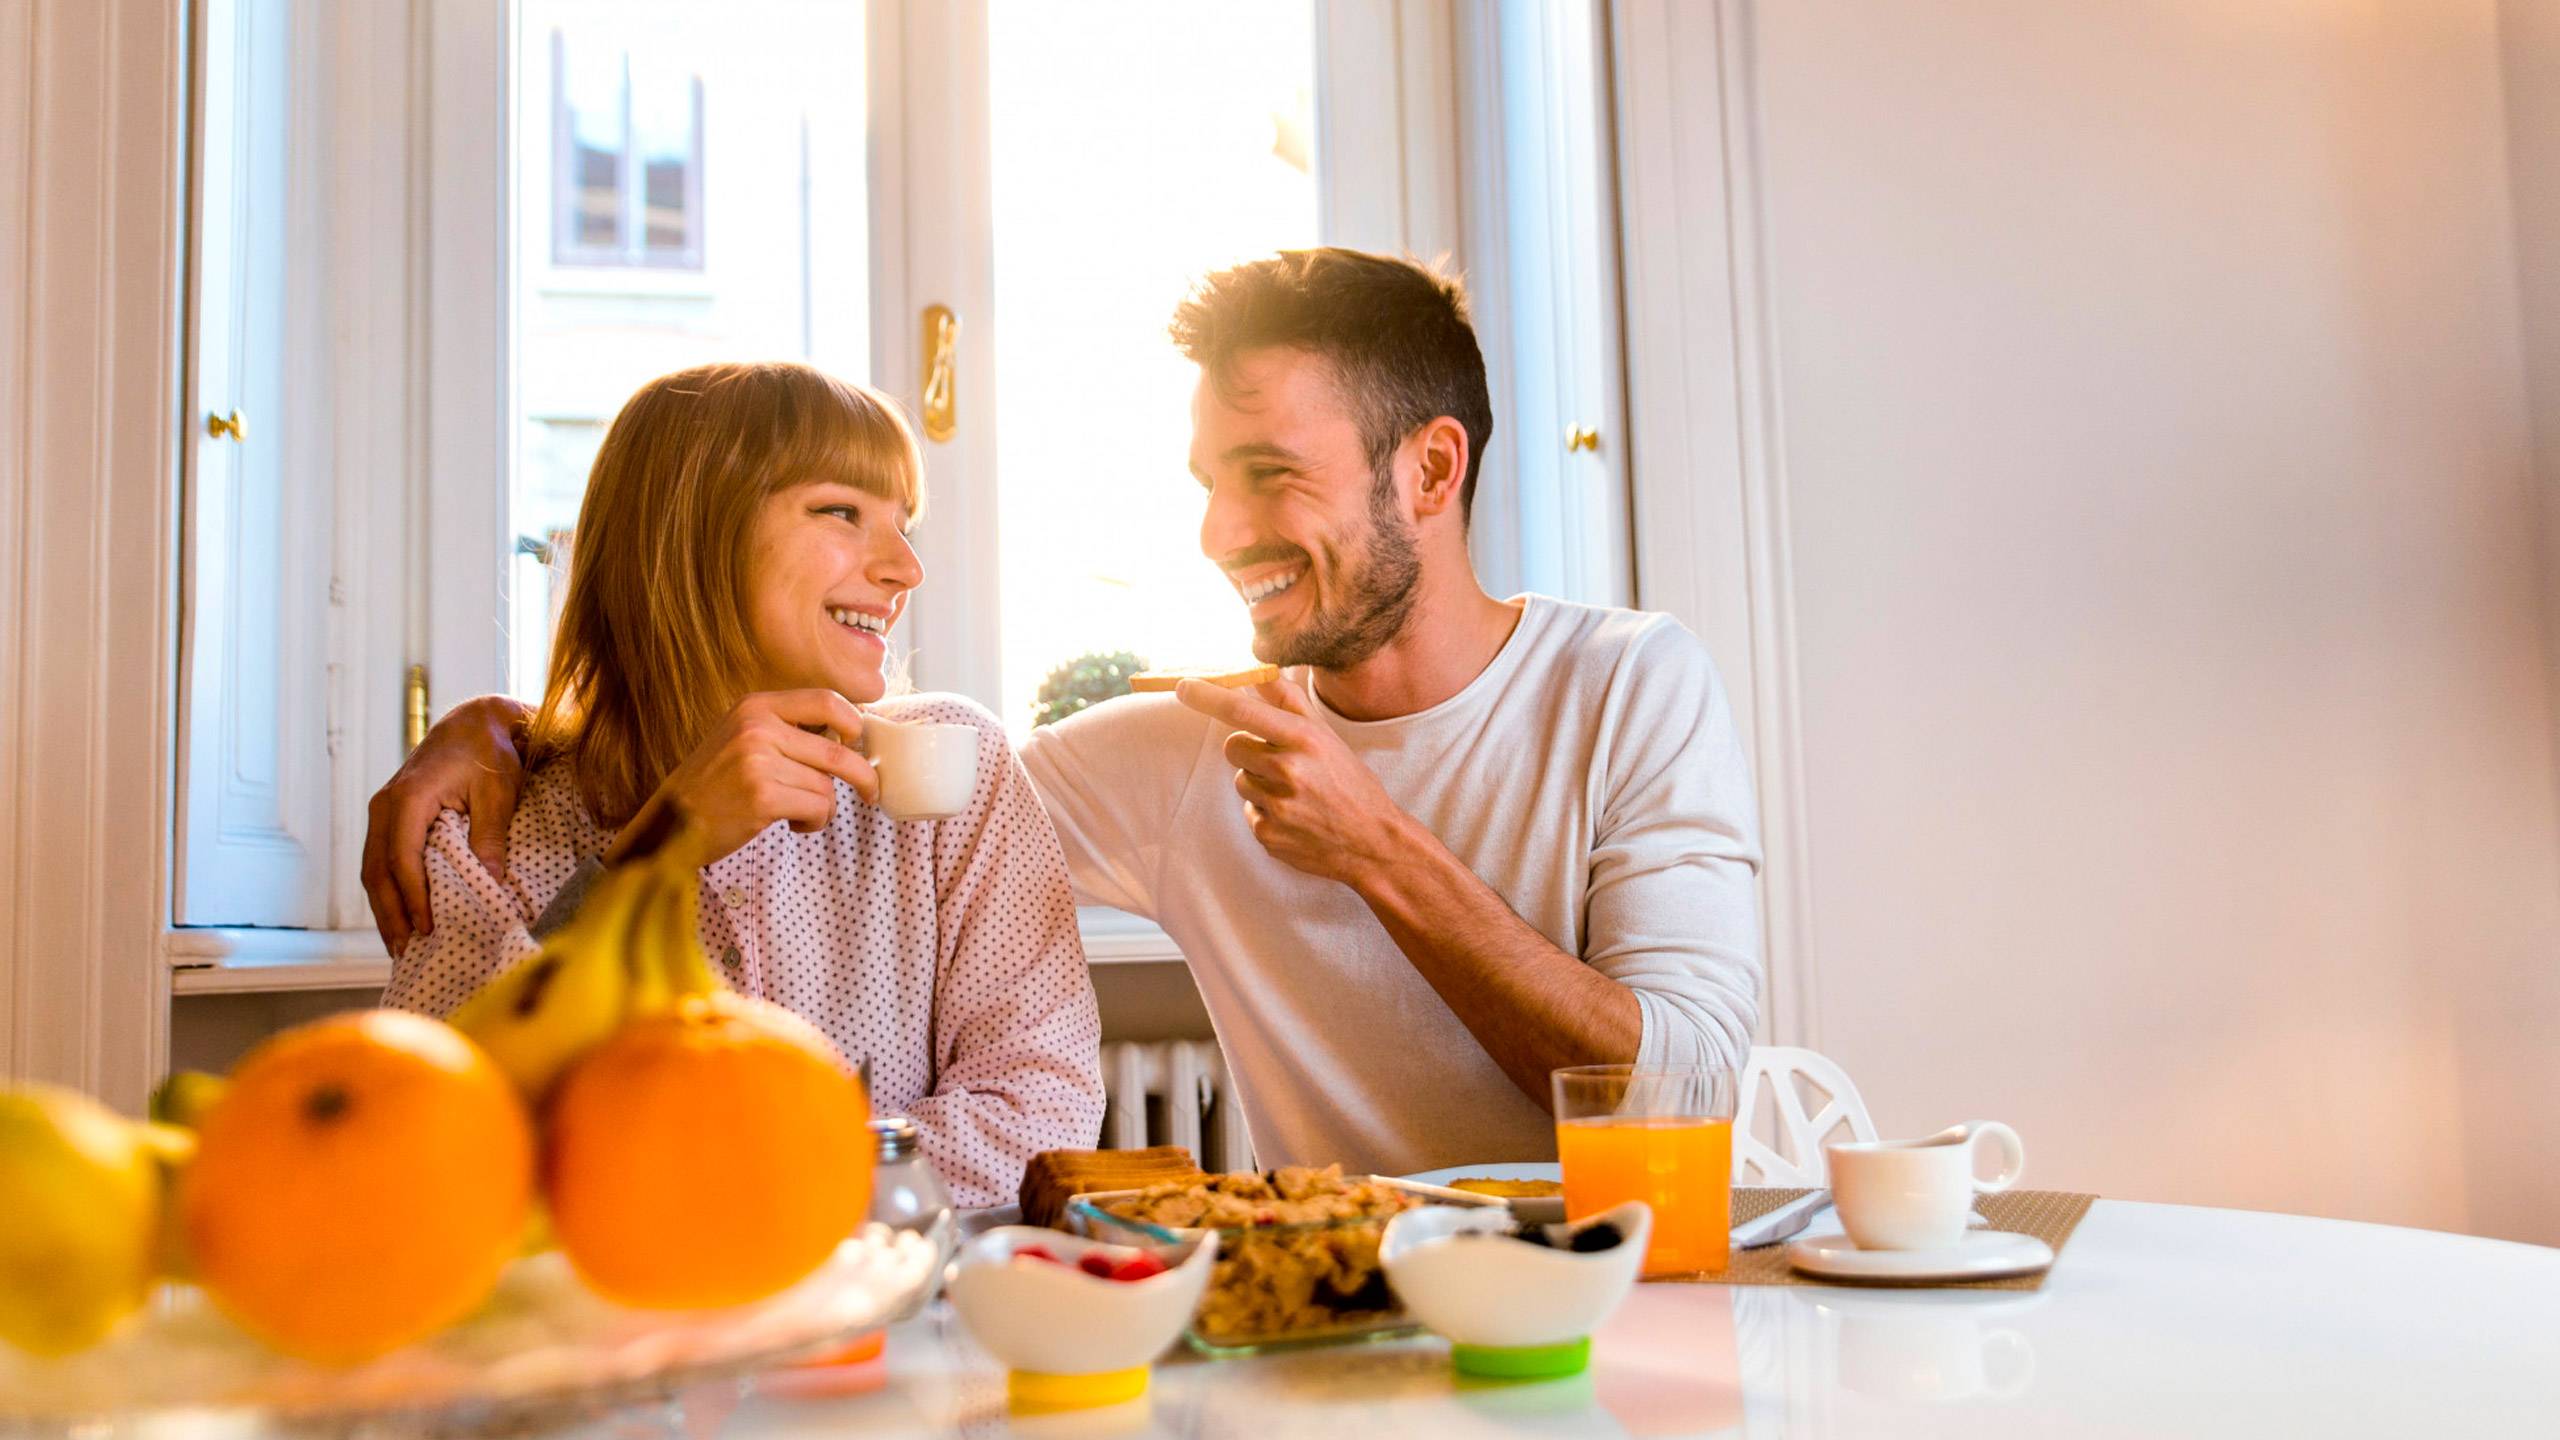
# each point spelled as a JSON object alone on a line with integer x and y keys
{"x": 1590, "y": 1239}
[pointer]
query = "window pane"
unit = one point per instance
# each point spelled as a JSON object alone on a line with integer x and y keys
{"x": 786, "y": 166}
{"x": 590, "y": 115}
{"x": 664, "y": 120}
{"x": 1135, "y": 145}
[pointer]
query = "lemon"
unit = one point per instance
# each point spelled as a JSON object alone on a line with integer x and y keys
{"x": 81, "y": 1189}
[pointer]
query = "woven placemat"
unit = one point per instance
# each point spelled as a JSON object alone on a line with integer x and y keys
{"x": 2048, "y": 1215}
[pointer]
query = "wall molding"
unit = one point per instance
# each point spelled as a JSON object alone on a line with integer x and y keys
{"x": 96, "y": 96}
{"x": 17, "y": 107}
{"x": 1706, "y": 446}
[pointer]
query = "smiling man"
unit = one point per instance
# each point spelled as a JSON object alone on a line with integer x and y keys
{"x": 1462, "y": 841}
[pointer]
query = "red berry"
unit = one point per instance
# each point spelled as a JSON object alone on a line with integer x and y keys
{"x": 1142, "y": 1267}
{"x": 1096, "y": 1264}
{"x": 1035, "y": 1252}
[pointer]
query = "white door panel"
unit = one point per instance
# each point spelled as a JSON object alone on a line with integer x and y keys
{"x": 1553, "y": 514}
{"x": 254, "y": 794}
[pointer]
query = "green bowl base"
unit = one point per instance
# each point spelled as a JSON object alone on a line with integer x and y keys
{"x": 1522, "y": 1362}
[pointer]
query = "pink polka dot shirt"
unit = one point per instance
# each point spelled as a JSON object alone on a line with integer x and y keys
{"x": 943, "y": 952}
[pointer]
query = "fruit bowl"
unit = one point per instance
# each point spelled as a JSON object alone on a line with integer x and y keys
{"x": 1072, "y": 1332}
{"x": 544, "y": 1351}
{"x": 1512, "y": 1309}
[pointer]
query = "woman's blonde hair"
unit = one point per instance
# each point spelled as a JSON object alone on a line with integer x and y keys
{"x": 652, "y": 646}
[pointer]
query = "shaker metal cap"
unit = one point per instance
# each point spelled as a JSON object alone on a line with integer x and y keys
{"x": 898, "y": 1136}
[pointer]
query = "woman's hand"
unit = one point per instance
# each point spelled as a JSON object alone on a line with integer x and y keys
{"x": 776, "y": 757}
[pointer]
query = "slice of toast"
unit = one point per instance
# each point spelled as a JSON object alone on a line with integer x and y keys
{"x": 1056, "y": 1176}
{"x": 1147, "y": 682}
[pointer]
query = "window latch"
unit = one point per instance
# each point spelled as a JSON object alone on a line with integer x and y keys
{"x": 413, "y": 713}
{"x": 941, "y": 359}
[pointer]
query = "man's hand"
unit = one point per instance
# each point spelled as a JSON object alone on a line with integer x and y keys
{"x": 1310, "y": 801}
{"x": 468, "y": 762}
{"x": 1312, "y": 804}
{"x": 776, "y": 757}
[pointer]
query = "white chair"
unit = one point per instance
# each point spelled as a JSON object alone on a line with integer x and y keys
{"x": 1808, "y": 1100}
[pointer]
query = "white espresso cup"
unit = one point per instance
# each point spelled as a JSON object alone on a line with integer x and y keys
{"x": 927, "y": 771}
{"x": 1916, "y": 1194}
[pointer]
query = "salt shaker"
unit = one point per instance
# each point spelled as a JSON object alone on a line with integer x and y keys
{"x": 905, "y": 1193}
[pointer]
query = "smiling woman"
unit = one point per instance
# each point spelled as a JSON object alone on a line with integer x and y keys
{"x": 742, "y": 560}
{"x": 739, "y": 507}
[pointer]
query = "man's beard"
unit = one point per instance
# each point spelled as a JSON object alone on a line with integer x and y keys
{"x": 1378, "y": 597}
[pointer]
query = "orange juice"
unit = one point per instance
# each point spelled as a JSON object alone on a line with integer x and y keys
{"x": 1682, "y": 1167}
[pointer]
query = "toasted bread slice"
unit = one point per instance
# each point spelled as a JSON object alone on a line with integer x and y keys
{"x": 1150, "y": 681}
{"x": 1056, "y": 1176}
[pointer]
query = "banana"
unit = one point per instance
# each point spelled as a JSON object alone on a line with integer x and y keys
{"x": 631, "y": 950}
{"x": 537, "y": 1231}
{"x": 555, "y": 1005}
{"x": 675, "y": 930}
{"x": 643, "y": 946}
{"x": 172, "y": 1147}
{"x": 177, "y": 1107}
{"x": 183, "y": 1098}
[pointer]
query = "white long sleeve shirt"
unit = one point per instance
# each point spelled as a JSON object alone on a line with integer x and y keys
{"x": 1591, "y": 775}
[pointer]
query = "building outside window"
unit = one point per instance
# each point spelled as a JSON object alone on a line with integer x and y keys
{"x": 626, "y": 129}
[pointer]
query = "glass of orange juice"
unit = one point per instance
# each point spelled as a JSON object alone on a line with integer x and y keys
{"x": 1662, "y": 1134}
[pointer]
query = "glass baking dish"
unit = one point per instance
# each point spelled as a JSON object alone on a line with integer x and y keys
{"x": 1282, "y": 1286}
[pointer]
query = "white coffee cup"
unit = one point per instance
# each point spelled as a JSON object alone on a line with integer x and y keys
{"x": 1916, "y": 1194}
{"x": 927, "y": 771}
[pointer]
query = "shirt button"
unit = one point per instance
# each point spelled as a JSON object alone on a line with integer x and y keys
{"x": 729, "y": 957}
{"x": 735, "y": 898}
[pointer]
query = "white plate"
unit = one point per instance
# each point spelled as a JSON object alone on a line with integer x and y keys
{"x": 543, "y": 1352}
{"x": 1542, "y": 1211}
{"x": 974, "y": 1223}
{"x": 1981, "y": 1255}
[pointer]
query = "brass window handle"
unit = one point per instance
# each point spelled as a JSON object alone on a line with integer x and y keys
{"x": 941, "y": 360}
{"x": 1581, "y": 437}
{"x": 413, "y": 717}
{"x": 218, "y": 426}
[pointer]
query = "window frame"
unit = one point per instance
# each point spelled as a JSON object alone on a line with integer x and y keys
{"x": 436, "y": 88}
{"x": 1380, "y": 71}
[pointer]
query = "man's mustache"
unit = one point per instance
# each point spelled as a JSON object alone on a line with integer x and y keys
{"x": 1260, "y": 555}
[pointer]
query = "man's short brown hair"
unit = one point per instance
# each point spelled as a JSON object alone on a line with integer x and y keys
{"x": 1394, "y": 331}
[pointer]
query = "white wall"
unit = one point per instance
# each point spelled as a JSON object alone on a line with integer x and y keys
{"x": 2176, "y": 726}
{"x": 2515, "y": 1024}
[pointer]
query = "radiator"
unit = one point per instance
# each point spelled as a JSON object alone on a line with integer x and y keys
{"x": 1173, "y": 1092}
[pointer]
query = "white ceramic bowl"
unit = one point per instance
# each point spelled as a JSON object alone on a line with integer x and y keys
{"x": 1057, "y": 1320}
{"x": 1499, "y": 1293}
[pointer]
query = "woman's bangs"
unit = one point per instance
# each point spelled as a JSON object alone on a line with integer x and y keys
{"x": 846, "y": 435}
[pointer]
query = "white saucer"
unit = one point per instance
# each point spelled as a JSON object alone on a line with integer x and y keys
{"x": 1981, "y": 1255}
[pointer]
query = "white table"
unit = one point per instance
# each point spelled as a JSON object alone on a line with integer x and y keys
{"x": 2158, "y": 1320}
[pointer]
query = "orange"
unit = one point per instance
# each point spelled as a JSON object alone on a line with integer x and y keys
{"x": 359, "y": 1186}
{"x": 708, "y": 1155}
